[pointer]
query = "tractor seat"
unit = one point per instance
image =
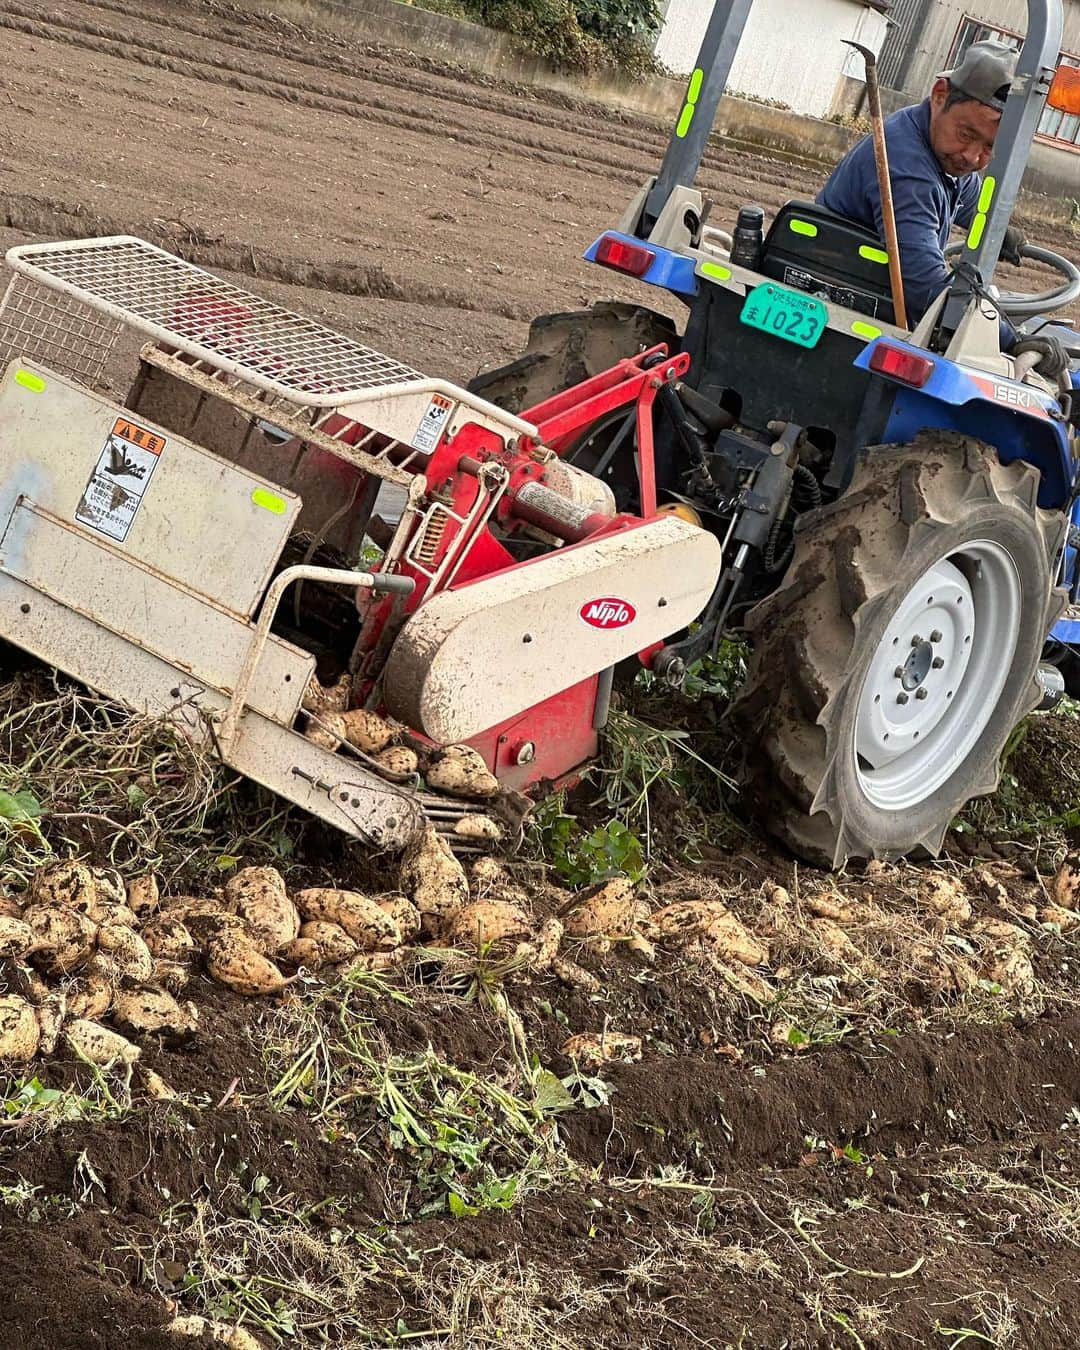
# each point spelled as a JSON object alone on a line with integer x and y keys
{"x": 812, "y": 249}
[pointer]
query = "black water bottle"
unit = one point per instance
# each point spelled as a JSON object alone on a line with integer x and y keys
{"x": 748, "y": 237}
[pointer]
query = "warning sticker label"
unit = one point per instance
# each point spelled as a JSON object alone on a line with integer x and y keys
{"x": 433, "y": 423}
{"x": 124, "y": 468}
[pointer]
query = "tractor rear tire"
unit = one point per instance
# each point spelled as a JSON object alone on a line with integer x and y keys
{"x": 901, "y": 650}
{"x": 565, "y": 349}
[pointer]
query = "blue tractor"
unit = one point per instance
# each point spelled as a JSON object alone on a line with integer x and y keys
{"x": 899, "y": 509}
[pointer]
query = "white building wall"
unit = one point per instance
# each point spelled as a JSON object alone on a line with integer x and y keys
{"x": 791, "y": 53}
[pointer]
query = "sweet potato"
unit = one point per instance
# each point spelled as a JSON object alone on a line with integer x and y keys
{"x": 153, "y": 1012}
{"x": 611, "y": 909}
{"x": 434, "y": 879}
{"x": 233, "y": 1338}
{"x": 460, "y": 770}
{"x": 599, "y": 1048}
{"x": 333, "y": 939}
{"x": 98, "y": 1044}
{"x": 16, "y": 937}
{"x": 143, "y": 894}
{"x": 64, "y": 937}
{"x": 488, "y": 921}
{"x": 478, "y": 827}
{"x": 237, "y": 962}
{"x": 367, "y": 730}
{"x": 322, "y": 698}
{"x": 77, "y": 885}
{"x": 20, "y": 1033}
{"x": 328, "y": 732}
{"x": 172, "y": 976}
{"x": 50, "y": 1016}
{"x": 90, "y": 996}
{"x": 370, "y": 927}
{"x": 403, "y": 912}
{"x": 168, "y": 939}
{"x": 398, "y": 759}
{"x": 257, "y": 895}
{"x": 128, "y": 955}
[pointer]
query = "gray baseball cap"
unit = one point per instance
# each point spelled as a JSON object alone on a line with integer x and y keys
{"x": 986, "y": 73}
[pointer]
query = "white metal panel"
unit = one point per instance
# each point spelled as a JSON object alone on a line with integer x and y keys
{"x": 134, "y": 602}
{"x": 330, "y": 787}
{"x": 471, "y": 658}
{"x": 199, "y": 520}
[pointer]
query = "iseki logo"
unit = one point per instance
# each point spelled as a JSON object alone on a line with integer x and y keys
{"x": 608, "y": 612}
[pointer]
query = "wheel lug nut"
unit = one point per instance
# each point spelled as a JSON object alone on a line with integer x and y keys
{"x": 899, "y": 672}
{"x": 935, "y": 636}
{"x": 936, "y": 663}
{"x": 916, "y": 641}
{"x": 901, "y": 697}
{"x": 920, "y": 693}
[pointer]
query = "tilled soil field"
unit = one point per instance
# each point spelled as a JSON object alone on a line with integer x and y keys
{"x": 843, "y": 1111}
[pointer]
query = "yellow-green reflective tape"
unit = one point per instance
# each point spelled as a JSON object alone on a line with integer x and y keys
{"x": 865, "y": 330}
{"x": 692, "y": 92}
{"x": 976, "y": 233}
{"x": 715, "y": 270}
{"x": 986, "y": 196}
{"x": 877, "y": 255}
{"x": 30, "y": 381}
{"x": 269, "y": 501}
{"x": 803, "y": 227}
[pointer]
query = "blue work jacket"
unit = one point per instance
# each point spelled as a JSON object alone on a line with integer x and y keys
{"x": 927, "y": 201}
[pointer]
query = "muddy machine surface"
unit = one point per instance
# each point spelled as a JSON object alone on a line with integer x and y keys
{"x": 195, "y": 551}
{"x": 890, "y": 517}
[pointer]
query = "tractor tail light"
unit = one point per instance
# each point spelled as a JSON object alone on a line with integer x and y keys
{"x": 901, "y": 365}
{"x": 635, "y": 259}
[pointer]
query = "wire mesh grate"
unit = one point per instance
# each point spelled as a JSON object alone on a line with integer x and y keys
{"x": 211, "y": 319}
{"x": 40, "y": 324}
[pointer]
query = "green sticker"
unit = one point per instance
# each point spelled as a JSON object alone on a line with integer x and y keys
{"x": 978, "y": 225}
{"x": 30, "y": 381}
{"x": 684, "y": 121}
{"x": 877, "y": 255}
{"x": 269, "y": 501}
{"x": 695, "y": 86}
{"x": 986, "y": 196}
{"x": 716, "y": 271}
{"x": 865, "y": 330}
{"x": 803, "y": 227}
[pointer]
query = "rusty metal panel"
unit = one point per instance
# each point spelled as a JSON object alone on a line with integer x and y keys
{"x": 190, "y": 515}
{"x": 139, "y": 605}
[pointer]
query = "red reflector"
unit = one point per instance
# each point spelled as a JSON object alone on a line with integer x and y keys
{"x": 901, "y": 365}
{"x": 633, "y": 258}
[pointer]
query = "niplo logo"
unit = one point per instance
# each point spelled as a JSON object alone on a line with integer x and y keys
{"x": 608, "y": 612}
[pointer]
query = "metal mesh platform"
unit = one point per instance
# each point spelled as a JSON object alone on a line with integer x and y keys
{"x": 135, "y": 283}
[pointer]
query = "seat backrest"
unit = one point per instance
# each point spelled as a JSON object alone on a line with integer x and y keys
{"x": 813, "y": 249}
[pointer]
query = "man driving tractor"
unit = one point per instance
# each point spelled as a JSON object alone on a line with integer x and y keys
{"x": 936, "y": 152}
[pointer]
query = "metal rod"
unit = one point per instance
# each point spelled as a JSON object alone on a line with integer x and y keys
{"x": 332, "y": 576}
{"x": 881, "y": 159}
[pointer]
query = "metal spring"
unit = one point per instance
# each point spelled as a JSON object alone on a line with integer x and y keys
{"x": 427, "y": 546}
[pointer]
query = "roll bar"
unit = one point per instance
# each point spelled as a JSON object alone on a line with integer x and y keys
{"x": 1001, "y": 183}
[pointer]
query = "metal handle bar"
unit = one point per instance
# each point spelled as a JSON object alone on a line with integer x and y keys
{"x": 333, "y": 576}
{"x": 1018, "y": 304}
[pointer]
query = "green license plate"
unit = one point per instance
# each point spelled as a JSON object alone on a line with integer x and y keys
{"x": 790, "y": 315}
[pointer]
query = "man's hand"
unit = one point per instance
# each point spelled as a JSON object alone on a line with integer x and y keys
{"x": 1013, "y": 242}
